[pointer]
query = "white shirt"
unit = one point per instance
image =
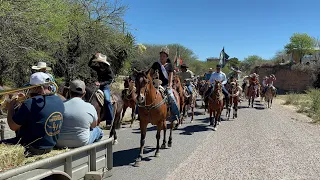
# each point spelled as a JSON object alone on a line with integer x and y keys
{"x": 218, "y": 77}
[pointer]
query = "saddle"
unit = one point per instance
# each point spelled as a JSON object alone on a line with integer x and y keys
{"x": 100, "y": 96}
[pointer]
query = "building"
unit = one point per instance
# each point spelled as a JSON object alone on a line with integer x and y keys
{"x": 312, "y": 58}
{"x": 213, "y": 59}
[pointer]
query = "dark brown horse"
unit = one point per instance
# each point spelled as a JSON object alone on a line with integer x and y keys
{"x": 252, "y": 93}
{"x": 129, "y": 97}
{"x": 92, "y": 98}
{"x": 216, "y": 104}
{"x": 152, "y": 109}
{"x": 233, "y": 99}
{"x": 189, "y": 101}
{"x": 204, "y": 86}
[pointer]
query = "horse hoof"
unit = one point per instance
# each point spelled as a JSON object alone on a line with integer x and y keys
{"x": 191, "y": 121}
{"x": 215, "y": 129}
{"x": 163, "y": 146}
{"x": 169, "y": 144}
{"x": 157, "y": 154}
{"x": 218, "y": 123}
{"x": 115, "y": 142}
{"x": 137, "y": 163}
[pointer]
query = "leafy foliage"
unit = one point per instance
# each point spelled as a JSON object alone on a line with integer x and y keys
{"x": 63, "y": 33}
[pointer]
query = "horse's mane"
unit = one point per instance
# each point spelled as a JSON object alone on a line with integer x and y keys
{"x": 90, "y": 90}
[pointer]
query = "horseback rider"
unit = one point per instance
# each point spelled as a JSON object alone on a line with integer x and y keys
{"x": 208, "y": 75}
{"x": 265, "y": 84}
{"x": 217, "y": 76}
{"x": 254, "y": 81}
{"x": 105, "y": 78}
{"x": 186, "y": 76}
{"x": 235, "y": 73}
{"x": 165, "y": 70}
{"x": 270, "y": 81}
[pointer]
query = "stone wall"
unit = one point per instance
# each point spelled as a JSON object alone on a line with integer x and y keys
{"x": 288, "y": 80}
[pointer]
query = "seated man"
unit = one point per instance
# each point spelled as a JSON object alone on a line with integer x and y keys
{"x": 185, "y": 76}
{"x": 265, "y": 84}
{"x": 38, "y": 120}
{"x": 79, "y": 126}
{"x": 254, "y": 81}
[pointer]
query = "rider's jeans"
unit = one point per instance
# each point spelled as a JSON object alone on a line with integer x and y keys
{"x": 190, "y": 88}
{"x": 173, "y": 104}
{"x": 108, "y": 110}
{"x": 95, "y": 135}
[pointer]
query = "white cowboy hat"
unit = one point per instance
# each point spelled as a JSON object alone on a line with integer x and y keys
{"x": 101, "y": 58}
{"x": 41, "y": 65}
{"x": 235, "y": 69}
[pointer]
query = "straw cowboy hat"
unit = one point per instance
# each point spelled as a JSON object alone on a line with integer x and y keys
{"x": 101, "y": 58}
{"x": 254, "y": 75}
{"x": 165, "y": 50}
{"x": 210, "y": 69}
{"x": 41, "y": 65}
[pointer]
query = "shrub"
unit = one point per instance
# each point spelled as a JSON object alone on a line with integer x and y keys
{"x": 292, "y": 98}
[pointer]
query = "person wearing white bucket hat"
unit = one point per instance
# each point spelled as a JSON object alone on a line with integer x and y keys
{"x": 42, "y": 67}
{"x": 105, "y": 78}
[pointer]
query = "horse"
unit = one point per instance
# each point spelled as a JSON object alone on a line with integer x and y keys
{"x": 178, "y": 87}
{"x": 268, "y": 96}
{"x": 189, "y": 101}
{"x": 129, "y": 99}
{"x": 216, "y": 104}
{"x": 233, "y": 99}
{"x": 94, "y": 97}
{"x": 202, "y": 91}
{"x": 252, "y": 93}
{"x": 152, "y": 109}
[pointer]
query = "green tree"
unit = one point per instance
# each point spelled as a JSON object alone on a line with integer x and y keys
{"x": 302, "y": 43}
{"x": 233, "y": 62}
{"x": 249, "y": 63}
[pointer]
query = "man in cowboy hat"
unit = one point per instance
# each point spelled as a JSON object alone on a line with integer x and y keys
{"x": 270, "y": 81}
{"x": 265, "y": 85}
{"x": 235, "y": 73}
{"x": 105, "y": 78}
{"x": 217, "y": 76}
{"x": 42, "y": 67}
{"x": 165, "y": 68}
{"x": 254, "y": 81}
{"x": 186, "y": 76}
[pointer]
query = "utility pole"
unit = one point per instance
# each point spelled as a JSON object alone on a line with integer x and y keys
{"x": 122, "y": 27}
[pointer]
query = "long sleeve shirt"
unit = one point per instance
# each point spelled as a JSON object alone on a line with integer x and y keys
{"x": 219, "y": 77}
{"x": 271, "y": 80}
{"x": 104, "y": 77}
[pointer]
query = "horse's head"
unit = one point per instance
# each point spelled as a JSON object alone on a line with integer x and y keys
{"x": 65, "y": 92}
{"x": 217, "y": 85}
{"x": 141, "y": 82}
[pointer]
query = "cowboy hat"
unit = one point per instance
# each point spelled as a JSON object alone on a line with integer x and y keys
{"x": 210, "y": 69}
{"x": 41, "y": 65}
{"x": 184, "y": 66}
{"x": 236, "y": 69}
{"x": 165, "y": 50}
{"x": 101, "y": 58}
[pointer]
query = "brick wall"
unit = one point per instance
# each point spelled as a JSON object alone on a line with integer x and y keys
{"x": 287, "y": 79}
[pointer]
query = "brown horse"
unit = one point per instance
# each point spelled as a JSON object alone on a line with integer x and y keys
{"x": 204, "y": 86}
{"x": 233, "y": 99}
{"x": 216, "y": 104}
{"x": 152, "y": 109}
{"x": 189, "y": 101}
{"x": 252, "y": 94}
{"x": 129, "y": 97}
{"x": 178, "y": 87}
{"x": 92, "y": 98}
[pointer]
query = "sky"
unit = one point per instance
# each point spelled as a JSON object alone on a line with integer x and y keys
{"x": 242, "y": 27}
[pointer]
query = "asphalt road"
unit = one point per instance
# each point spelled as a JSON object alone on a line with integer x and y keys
{"x": 261, "y": 144}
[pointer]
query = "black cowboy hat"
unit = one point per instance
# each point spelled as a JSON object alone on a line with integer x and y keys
{"x": 184, "y": 66}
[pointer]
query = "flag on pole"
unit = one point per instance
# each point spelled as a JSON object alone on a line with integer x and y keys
{"x": 223, "y": 58}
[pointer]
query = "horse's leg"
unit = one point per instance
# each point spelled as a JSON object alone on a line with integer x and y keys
{"x": 124, "y": 109}
{"x": 133, "y": 114}
{"x": 164, "y": 128}
{"x": 252, "y": 101}
{"x": 170, "y": 136}
{"x": 215, "y": 120}
{"x": 271, "y": 103}
{"x": 143, "y": 132}
{"x": 159, "y": 128}
{"x": 192, "y": 112}
{"x": 211, "y": 119}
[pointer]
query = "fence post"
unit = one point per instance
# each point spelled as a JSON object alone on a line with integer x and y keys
{"x": 109, "y": 156}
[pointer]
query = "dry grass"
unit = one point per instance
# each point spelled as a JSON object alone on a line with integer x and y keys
{"x": 308, "y": 103}
{"x": 12, "y": 156}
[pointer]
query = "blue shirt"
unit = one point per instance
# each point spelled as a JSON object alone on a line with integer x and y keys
{"x": 41, "y": 119}
{"x": 207, "y": 77}
{"x": 78, "y": 117}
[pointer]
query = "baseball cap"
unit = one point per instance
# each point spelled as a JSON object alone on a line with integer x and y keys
{"x": 218, "y": 66}
{"x": 77, "y": 86}
{"x": 39, "y": 78}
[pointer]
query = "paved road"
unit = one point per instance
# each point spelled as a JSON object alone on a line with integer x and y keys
{"x": 260, "y": 144}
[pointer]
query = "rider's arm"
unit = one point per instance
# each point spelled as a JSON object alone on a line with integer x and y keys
{"x": 153, "y": 68}
{"x": 224, "y": 80}
{"x": 91, "y": 66}
{"x": 212, "y": 78}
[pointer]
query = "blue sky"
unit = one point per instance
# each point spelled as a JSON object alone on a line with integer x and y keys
{"x": 243, "y": 27}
